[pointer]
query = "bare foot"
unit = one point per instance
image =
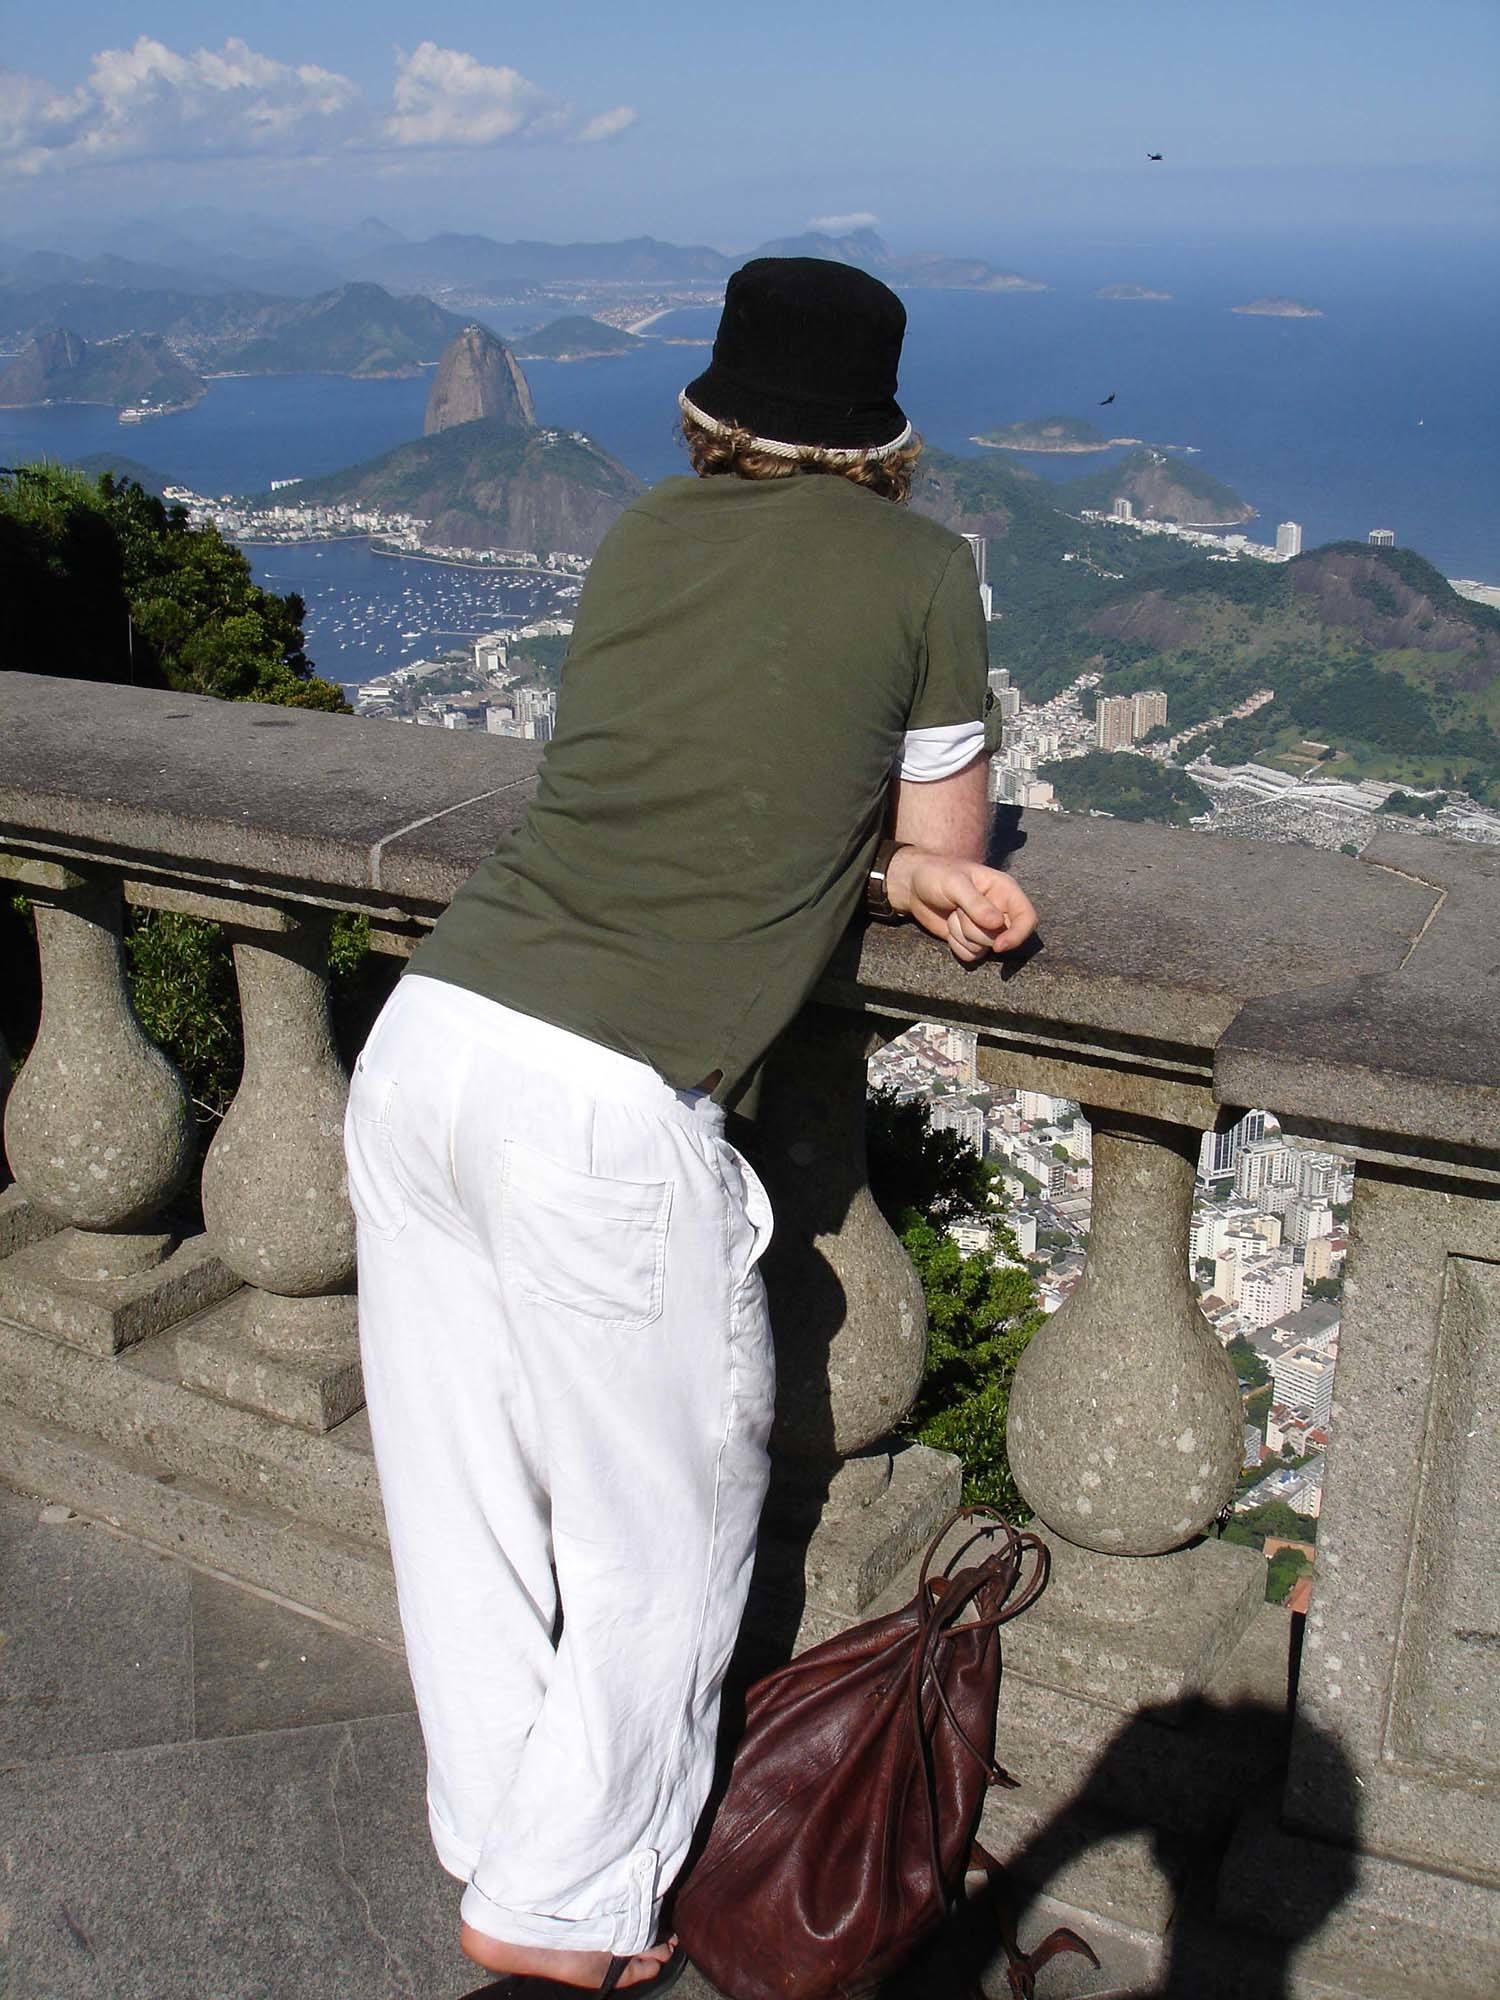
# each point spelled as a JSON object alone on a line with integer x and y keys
{"x": 585, "y": 1969}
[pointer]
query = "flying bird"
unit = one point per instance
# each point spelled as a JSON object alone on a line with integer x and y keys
{"x": 1153, "y": 156}
{"x": 1107, "y": 399}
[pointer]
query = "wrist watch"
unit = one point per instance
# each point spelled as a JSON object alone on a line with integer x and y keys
{"x": 877, "y": 897}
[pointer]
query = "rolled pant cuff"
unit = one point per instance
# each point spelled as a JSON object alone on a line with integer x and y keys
{"x": 626, "y": 1926}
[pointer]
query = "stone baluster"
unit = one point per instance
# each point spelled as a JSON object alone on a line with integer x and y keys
{"x": 274, "y": 1198}
{"x": 851, "y": 1337}
{"x": 1125, "y": 1427}
{"x": 99, "y": 1136}
{"x": 1125, "y": 1438}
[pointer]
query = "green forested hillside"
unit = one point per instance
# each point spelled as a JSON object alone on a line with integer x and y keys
{"x": 574, "y": 338}
{"x": 1129, "y": 787}
{"x": 1369, "y": 651}
{"x": 481, "y": 485}
{"x": 356, "y": 330}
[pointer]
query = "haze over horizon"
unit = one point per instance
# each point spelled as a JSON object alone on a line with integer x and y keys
{"x": 985, "y": 129}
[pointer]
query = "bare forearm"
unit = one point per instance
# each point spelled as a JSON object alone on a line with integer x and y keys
{"x": 950, "y": 816}
{"x": 939, "y": 879}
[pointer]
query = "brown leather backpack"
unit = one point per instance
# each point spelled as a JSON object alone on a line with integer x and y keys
{"x": 848, "y": 1825}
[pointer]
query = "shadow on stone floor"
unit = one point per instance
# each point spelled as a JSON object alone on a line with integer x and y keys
{"x": 208, "y": 1795}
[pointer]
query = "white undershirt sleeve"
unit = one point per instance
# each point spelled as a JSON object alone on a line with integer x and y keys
{"x": 940, "y": 752}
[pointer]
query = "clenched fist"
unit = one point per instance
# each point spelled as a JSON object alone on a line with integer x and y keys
{"x": 974, "y": 909}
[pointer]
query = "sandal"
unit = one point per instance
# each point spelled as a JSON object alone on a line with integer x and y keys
{"x": 535, "y": 1986}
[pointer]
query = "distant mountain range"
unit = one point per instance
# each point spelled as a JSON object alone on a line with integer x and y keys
{"x": 357, "y": 329}
{"x": 176, "y": 272}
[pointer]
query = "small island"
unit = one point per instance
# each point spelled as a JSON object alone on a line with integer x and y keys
{"x": 575, "y": 338}
{"x": 1129, "y": 292}
{"x": 1279, "y": 309}
{"x": 1050, "y": 434}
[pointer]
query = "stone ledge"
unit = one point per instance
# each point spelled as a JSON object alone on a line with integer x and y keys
{"x": 308, "y": 1567}
{"x": 247, "y": 790}
{"x": 139, "y": 1404}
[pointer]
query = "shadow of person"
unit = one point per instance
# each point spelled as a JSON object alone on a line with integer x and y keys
{"x": 1298, "y": 1884}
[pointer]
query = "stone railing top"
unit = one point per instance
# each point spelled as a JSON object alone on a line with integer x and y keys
{"x": 245, "y": 792}
{"x": 1350, "y": 996}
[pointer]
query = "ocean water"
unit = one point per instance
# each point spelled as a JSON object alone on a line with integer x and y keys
{"x": 1382, "y": 413}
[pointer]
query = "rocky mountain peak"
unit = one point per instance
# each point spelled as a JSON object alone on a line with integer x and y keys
{"x": 478, "y": 376}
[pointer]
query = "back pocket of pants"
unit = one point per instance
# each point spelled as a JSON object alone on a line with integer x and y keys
{"x": 590, "y": 1244}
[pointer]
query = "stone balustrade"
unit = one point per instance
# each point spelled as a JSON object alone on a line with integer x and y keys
{"x": 200, "y": 1386}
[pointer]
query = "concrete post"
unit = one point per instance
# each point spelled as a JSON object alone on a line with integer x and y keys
{"x": 274, "y": 1199}
{"x": 851, "y": 1338}
{"x": 99, "y": 1137}
{"x": 1124, "y": 1431}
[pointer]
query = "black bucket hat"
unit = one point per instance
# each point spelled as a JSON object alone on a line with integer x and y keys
{"x": 805, "y": 355}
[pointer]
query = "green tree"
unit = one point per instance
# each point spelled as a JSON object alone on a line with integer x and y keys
{"x": 981, "y": 1311}
{"x": 1282, "y": 1571}
{"x": 1274, "y": 1518}
{"x": 1248, "y": 1365}
{"x": 99, "y": 580}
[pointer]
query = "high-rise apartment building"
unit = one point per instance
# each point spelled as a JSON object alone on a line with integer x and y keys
{"x": 1122, "y": 510}
{"x": 1218, "y": 1153}
{"x": 1308, "y": 1219}
{"x": 1318, "y": 1176}
{"x": 1289, "y": 539}
{"x": 1252, "y": 1171}
{"x": 967, "y": 1120}
{"x": 1148, "y": 710}
{"x": 1304, "y": 1381}
{"x": 1269, "y": 1290}
{"x": 1382, "y": 538}
{"x": 1114, "y": 727}
{"x": 1318, "y": 1259}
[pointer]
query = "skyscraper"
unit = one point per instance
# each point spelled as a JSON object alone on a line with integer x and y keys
{"x": 1122, "y": 510}
{"x": 1114, "y": 722}
{"x": 1289, "y": 539}
{"x": 1148, "y": 710}
{"x": 1382, "y": 538}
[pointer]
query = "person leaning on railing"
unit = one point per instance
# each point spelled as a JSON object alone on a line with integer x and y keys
{"x": 770, "y": 713}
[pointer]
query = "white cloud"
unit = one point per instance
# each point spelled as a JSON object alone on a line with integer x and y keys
{"x": 608, "y": 125}
{"x": 149, "y": 102}
{"x": 840, "y": 225}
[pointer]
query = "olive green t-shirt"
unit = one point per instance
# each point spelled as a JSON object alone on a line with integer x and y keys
{"x": 747, "y": 660}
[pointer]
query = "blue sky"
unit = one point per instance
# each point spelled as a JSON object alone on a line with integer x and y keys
{"x": 957, "y": 125}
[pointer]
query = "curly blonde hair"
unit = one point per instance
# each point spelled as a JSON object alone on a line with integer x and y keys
{"x": 733, "y": 451}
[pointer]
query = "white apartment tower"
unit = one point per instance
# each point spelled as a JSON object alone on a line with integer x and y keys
{"x": 1122, "y": 510}
{"x": 1269, "y": 1290}
{"x": 1304, "y": 1381}
{"x": 1289, "y": 539}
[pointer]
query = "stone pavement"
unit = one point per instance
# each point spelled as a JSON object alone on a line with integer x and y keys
{"x": 208, "y": 1795}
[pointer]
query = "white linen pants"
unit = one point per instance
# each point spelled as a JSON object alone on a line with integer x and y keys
{"x": 569, "y": 1375}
